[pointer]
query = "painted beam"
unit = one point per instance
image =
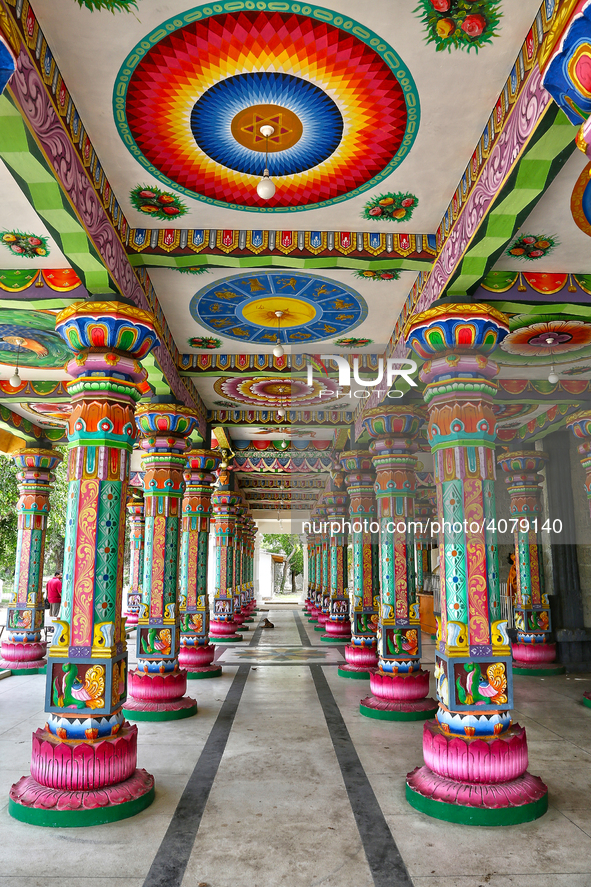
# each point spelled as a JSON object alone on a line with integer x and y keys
{"x": 151, "y": 260}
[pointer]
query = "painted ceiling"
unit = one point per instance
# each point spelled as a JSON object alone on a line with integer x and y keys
{"x": 415, "y": 154}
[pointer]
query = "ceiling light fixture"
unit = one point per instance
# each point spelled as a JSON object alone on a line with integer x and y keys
{"x": 15, "y": 380}
{"x": 278, "y": 349}
{"x": 553, "y": 377}
{"x": 266, "y": 187}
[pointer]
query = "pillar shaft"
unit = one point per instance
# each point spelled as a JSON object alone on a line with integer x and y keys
{"x": 338, "y": 625}
{"x": 224, "y": 502}
{"x": 22, "y": 649}
{"x": 135, "y": 511}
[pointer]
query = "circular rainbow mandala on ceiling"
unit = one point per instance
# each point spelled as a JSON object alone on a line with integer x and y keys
{"x": 243, "y": 307}
{"x": 269, "y": 392}
{"x": 191, "y": 98}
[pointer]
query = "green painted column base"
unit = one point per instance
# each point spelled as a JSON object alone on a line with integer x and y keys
{"x": 79, "y": 818}
{"x": 229, "y": 640}
{"x": 539, "y": 672}
{"x": 242, "y": 628}
{"x": 21, "y": 672}
{"x": 319, "y": 628}
{"x": 249, "y": 619}
{"x": 201, "y": 675}
{"x": 586, "y": 701}
{"x": 354, "y": 675}
{"x": 477, "y": 815}
{"x": 329, "y": 639}
{"x": 312, "y": 620}
{"x": 384, "y": 715}
{"x": 172, "y": 715}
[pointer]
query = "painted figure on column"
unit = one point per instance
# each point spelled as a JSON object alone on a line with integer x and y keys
{"x": 338, "y": 624}
{"x": 23, "y": 651}
{"x": 83, "y": 763}
{"x": 475, "y": 758}
{"x": 196, "y": 653}
{"x": 223, "y": 628}
{"x": 323, "y": 592}
{"x": 135, "y": 510}
{"x": 157, "y": 686}
{"x": 399, "y": 685}
{"x": 533, "y": 654}
{"x": 364, "y": 594}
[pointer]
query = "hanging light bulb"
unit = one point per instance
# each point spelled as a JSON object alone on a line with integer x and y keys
{"x": 553, "y": 378}
{"x": 278, "y": 349}
{"x": 281, "y": 413}
{"x": 15, "y": 379}
{"x": 266, "y": 187}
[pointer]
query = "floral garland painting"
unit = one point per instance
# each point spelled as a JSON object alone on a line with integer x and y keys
{"x": 352, "y": 342}
{"x": 205, "y": 342}
{"x": 112, "y": 5}
{"x": 388, "y": 274}
{"x": 531, "y": 247}
{"x": 156, "y": 203}
{"x": 194, "y": 269}
{"x": 459, "y": 24}
{"x": 397, "y": 207}
{"x": 29, "y": 246}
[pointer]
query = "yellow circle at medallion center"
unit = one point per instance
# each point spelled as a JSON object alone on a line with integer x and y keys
{"x": 295, "y": 312}
{"x": 246, "y": 128}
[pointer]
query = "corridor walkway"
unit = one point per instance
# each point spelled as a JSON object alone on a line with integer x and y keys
{"x": 303, "y": 791}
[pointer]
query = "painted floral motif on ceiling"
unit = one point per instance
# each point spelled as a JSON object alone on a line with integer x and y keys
{"x": 191, "y": 98}
{"x": 244, "y": 307}
{"x": 388, "y": 274}
{"x": 111, "y": 5}
{"x": 577, "y": 371}
{"x": 272, "y": 392}
{"x": 397, "y": 207}
{"x": 530, "y": 247}
{"x": 352, "y": 342}
{"x": 193, "y": 269}
{"x": 157, "y": 204}
{"x": 460, "y": 24}
{"x": 40, "y": 346}
{"x": 545, "y": 337}
{"x": 56, "y": 414}
{"x": 205, "y": 342}
{"x": 580, "y": 204}
{"x": 28, "y": 246}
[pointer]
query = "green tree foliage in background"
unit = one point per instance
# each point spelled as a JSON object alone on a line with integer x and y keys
{"x": 290, "y": 546}
{"x": 56, "y": 524}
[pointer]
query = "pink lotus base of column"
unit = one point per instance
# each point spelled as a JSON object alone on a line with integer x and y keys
{"x": 360, "y": 660}
{"x": 337, "y": 630}
{"x": 476, "y": 781}
{"x": 536, "y": 659}
{"x": 131, "y": 619}
{"x": 223, "y": 631}
{"x": 23, "y": 656}
{"x": 398, "y": 697}
{"x": 322, "y": 618}
{"x": 80, "y": 765}
{"x": 314, "y": 612}
{"x": 158, "y": 697}
{"x": 197, "y": 661}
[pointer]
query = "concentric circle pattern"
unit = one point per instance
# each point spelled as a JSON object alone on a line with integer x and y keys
{"x": 320, "y": 123}
{"x": 270, "y": 392}
{"x": 244, "y": 307}
{"x": 183, "y": 85}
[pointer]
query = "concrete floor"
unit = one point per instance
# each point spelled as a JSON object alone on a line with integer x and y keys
{"x": 279, "y": 810}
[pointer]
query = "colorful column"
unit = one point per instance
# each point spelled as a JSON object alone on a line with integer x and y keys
{"x": 475, "y": 757}
{"x": 157, "y": 686}
{"x": 533, "y": 654}
{"x": 316, "y": 599}
{"x": 196, "y": 654}
{"x": 338, "y": 624}
{"x": 240, "y": 615}
{"x": 83, "y": 762}
{"x": 223, "y": 628}
{"x": 323, "y": 592}
{"x": 23, "y": 651}
{"x": 399, "y": 685}
{"x": 137, "y": 527}
{"x": 364, "y": 595}
{"x": 311, "y": 572}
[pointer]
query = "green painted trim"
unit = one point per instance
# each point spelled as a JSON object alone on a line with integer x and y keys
{"x": 242, "y": 628}
{"x": 29, "y": 168}
{"x": 378, "y": 715}
{"x": 177, "y": 715}
{"x": 314, "y": 621}
{"x": 354, "y": 675}
{"x": 328, "y": 639}
{"x": 202, "y": 675}
{"x": 319, "y": 628}
{"x": 549, "y": 148}
{"x": 538, "y": 672}
{"x": 155, "y": 260}
{"x": 586, "y": 702}
{"x": 80, "y": 818}
{"x": 228, "y": 640}
{"x": 23, "y": 672}
{"x": 477, "y": 815}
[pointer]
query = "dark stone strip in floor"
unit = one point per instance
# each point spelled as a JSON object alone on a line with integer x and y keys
{"x": 383, "y": 856}
{"x": 170, "y": 862}
{"x": 306, "y": 642}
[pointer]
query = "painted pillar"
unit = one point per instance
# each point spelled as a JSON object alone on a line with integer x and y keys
{"x": 239, "y": 566}
{"x": 424, "y": 511}
{"x": 399, "y": 685}
{"x": 338, "y": 624}
{"x": 196, "y": 654}
{"x": 251, "y": 532}
{"x": 533, "y": 654}
{"x": 223, "y": 628}
{"x": 23, "y": 651}
{"x": 135, "y": 510}
{"x": 475, "y": 758}
{"x": 157, "y": 686}
{"x": 364, "y": 595}
{"x": 83, "y": 763}
{"x": 305, "y": 553}
{"x": 311, "y": 573}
